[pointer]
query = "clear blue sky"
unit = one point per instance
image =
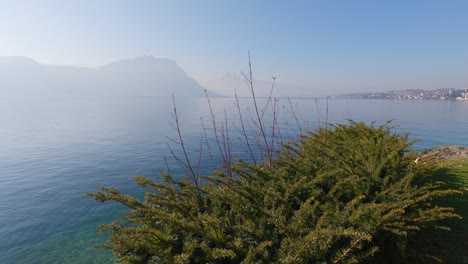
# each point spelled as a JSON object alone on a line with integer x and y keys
{"x": 315, "y": 44}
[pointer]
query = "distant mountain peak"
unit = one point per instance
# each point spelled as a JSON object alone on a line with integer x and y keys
{"x": 148, "y": 59}
{"x": 233, "y": 75}
{"x": 143, "y": 61}
{"x": 17, "y": 60}
{"x": 140, "y": 76}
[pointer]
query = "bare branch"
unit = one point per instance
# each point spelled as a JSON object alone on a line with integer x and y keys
{"x": 293, "y": 111}
{"x": 187, "y": 164}
{"x": 244, "y": 133}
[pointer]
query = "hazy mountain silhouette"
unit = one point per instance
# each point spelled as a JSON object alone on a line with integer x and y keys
{"x": 226, "y": 85}
{"x": 142, "y": 76}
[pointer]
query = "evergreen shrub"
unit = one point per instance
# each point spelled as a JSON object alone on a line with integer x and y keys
{"x": 347, "y": 193}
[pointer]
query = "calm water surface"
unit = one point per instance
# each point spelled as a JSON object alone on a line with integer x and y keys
{"x": 52, "y": 150}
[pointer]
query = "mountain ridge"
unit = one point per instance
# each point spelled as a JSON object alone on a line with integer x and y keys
{"x": 140, "y": 76}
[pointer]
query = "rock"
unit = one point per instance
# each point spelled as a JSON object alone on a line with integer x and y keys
{"x": 448, "y": 151}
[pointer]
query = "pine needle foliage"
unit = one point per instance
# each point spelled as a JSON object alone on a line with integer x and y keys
{"x": 348, "y": 193}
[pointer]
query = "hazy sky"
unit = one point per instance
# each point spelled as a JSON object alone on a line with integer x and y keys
{"x": 315, "y": 44}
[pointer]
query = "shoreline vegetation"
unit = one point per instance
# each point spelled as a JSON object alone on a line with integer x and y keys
{"x": 343, "y": 193}
{"x": 141, "y": 236}
{"x": 447, "y": 247}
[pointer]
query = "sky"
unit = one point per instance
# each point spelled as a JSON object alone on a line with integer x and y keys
{"x": 314, "y": 45}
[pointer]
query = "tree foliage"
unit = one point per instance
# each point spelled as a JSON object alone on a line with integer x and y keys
{"x": 347, "y": 193}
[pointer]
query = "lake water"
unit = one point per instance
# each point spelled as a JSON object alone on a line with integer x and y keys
{"x": 52, "y": 150}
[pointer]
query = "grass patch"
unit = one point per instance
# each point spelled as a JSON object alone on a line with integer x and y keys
{"x": 439, "y": 246}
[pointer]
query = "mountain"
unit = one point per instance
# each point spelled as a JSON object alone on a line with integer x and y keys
{"x": 226, "y": 85}
{"x": 142, "y": 76}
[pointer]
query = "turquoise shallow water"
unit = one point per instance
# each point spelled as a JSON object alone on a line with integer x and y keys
{"x": 55, "y": 149}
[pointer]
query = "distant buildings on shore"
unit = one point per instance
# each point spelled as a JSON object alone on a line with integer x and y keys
{"x": 439, "y": 94}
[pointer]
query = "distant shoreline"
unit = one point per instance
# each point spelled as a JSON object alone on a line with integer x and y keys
{"x": 411, "y": 94}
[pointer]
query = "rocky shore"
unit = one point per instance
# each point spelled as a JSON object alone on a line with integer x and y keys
{"x": 448, "y": 151}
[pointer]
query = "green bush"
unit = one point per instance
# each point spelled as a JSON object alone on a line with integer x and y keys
{"x": 343, "y": 194}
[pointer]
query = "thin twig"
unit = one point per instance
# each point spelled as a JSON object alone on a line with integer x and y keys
{"x": 259, "y": 119}
{"x": 187, "y": 162}
{"x": 244, "y": 133}
{"x": 213, "y": 120}
{"x": 318, "y": 112}
{"x": 294, "y": 115}
{"x": 167, "y": 164}
{"x": 208, "y": 145}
